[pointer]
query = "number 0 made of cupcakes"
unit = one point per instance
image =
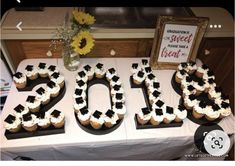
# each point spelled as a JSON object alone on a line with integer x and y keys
{"x": 95, "y": 121}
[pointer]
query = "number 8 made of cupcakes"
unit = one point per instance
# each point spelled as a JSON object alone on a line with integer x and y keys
{"x": 156, "y": 114}
{"x": 95, "y": 121}
{"x": 32, "y": 119}
{"x": 203, "y": 99}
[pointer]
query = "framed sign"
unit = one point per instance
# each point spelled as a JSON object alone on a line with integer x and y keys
{"x": 176, "y": 40}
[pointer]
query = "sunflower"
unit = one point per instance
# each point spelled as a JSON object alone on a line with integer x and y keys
{"x": 83, "y": 18}
{"x": 82, "y": 43}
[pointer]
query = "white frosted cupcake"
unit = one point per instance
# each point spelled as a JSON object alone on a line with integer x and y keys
{"x": 138, "y": 77}
{"x": 20, "y": 80}
{"x": 120, "y": 109}
{"x": 116, "y": 89}
{"x": 51, "y": 69}
{"x": 110, "y": 73}
{"x": 33, "y": 104}
{"x": 82, "y": 76}
{"x": 212, "y": 112}
{"x": 84, "y": 116}
{"x": 42, "y": 70}
{"x": 115, "y": 80}
{"x": 144, "y": 116}
{"x": 12, "y": 123}
{"x": 43, "y": 119}
{"x": 186, "y": 81}
{"x": 181, "y": 113}
{"x": 180, "y": 74}
{"x": 53, "y": 89}
{"x": 225, "y": 110}
{"x": 79, "y": 103}
{"x": 135, "y": 68}
{"x": 154, "y": 97}
{"x": 192, "y": 67}
{"x": 110, "y": 118}
{"x": 89, "y": 72}
{"x": 147, "y": 70}
{"x": 183, "y": 66}
{"x": 58, "y": 79}
{"x": 209, "y": 74}
{"x": 97, "y": 120}
{"x": 20, "y": 110}
{"x": 199, "y": 109}
{"x": 79, "y": 93}
{"x": 99, "y": 70}
{"x": 153, "y": 86}
{"x": 190, "y": 101}
{"x": 80, "y": 84}
{"x": 150, "y": 78}
{"x": 57, "y": 119}
{"x": 144, "y": 63}
{"x": 199, "y": 86}
{"x": 202, "y": 70}
{"x": 31, "y": 72}
{"x": 169, "y": 115}
{"x": 43, "y": 96}
{"x": 29, "y": 122}
{"x": 214, "y": 93}
{"x": 118, "y": 97}
{"x": 189, "y": 90}
{"x": 157, "y": 117}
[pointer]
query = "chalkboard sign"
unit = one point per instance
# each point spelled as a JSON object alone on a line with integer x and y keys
{"x": 176, "y": 40}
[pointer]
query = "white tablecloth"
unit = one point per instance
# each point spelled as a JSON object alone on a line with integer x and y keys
{"x": 124, "y": 143}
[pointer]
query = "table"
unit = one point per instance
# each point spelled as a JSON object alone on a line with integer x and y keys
{"x": 124, "y": 143}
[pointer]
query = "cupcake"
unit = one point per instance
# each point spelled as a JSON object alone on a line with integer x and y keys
{"x": 189, "y": 90}
{"x": 225, "y": 110}
{"x": 53, "y": 89}
{"x": 97, "y": 120}
{"x": 110, "y": 73}
{"x": 31, "y": 72}
{"x": 144, "y": 116}
{"x": 153, "y": 86}
{"x": 99, "y": 70}
{"x": 29, "y": 122}
{"x": 120, "y": 109}
{"x": 212, "y": 83}
{"x": 144, "y": 63}
{"x": 202, "y": 70}
{"x": 150, "y": 78}
{"x": 43, "y": 96}
{"x": 84, "y": 116}
{"x": 135, "y": 68}
{"x": 138, "y": 77}
{"x": 110, "y": 118}
{"x": 147, "y": 70}
{"x": 154, "y": 97}
{"x": 199, "y": 109}
{"x": 116, "y": 89}
{"x": 81, "y": 85}
{"x": 58, "y": 79}
{"x": 12, "y": 123}
{"x": 118, "y": 97}
{"x": 89, "y": 72}
{"x": 192, "y": 67}
{"x": 180, "y": 74}
{"x": 115, "y": 80}
{"x": 20, "y": 80}
{"x": 169, "y": 115}
{"x": 42, "y": 70}
{"x": 43, "y": 119}
{"x": 190, "y": 101}
{"x": 33, "y": 104}
{"x": 79, "y": 103}
{"x": 51, "y": 69}
{"x": 79, "y": 93}
{"x": 157, "y": 117}
{"x": 180, "y": 113}
{"x": 20, "y": 110}
{"x": 82, "y": 76}
{"x": 183, "y": 66}
{"x": 159, "y": 105}
{"x": 209, "y": 74}
{"x": 199, "y": 86}
{"x": 214, "y": 93}
{"x": 222, "y": 98}
{"x": 57, "y": 119}
{"x": 212, "y": 112}
{"x": 187, "y": 80}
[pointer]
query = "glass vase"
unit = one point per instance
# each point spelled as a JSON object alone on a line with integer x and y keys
{"x": 71, "y": 59}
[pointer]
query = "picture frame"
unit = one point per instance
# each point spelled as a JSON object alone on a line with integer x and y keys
{"x": 176, "y": 40}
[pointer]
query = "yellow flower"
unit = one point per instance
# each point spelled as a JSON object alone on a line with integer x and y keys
{"x": 82, "y": 43}
{"x": 83, "y": 18}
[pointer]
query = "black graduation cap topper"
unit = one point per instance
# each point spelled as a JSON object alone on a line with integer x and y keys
{"x": 205, "y": 67}
{"x": 189, "y": 79}
{"x": 184, "y": 64}
{"x": 119, "y": 96}
{"x": 78, "y": 92}
{"x": 55, "y": 113}
{"x": 202, "y": 104}
{"x": 151, "y": 76}
{"x": 182, "y": 72}
{"x": 158, "y": 111}
{"x": 82, "y": 74}
{"x": 111, "y": 70}
{"x": 52, "y": 68}
{"x": 84, "y": 110}
{"x": 19, "y": 108}
{"x": 99, "y": 65}
{"x": 218, "y": 89}
{"x": 27, "y": 117}
{"x": 192, "y": 63}
{"x": 30, "y": 99}
{"x": 224, "y": 104}
{"x": 40, "y": 90}
{"x": 55, "y": 75}
{"x": 41, "y": 114}
{"x": 79, "y": 100}
{"x": 192, "y": 97}
{"x": 156, "y": 85}
{"x": 190, "y": 88}
{"x": 10, "y": 119}
{"x": 147, "y": 69}
{"x": 181, "y": 107}
{"x": 140, "y": 74}
{"x": 134, "y": 65}
{"x": 156, "y": 93}
{"x": 201, "y": 82}
{"x": 110, "y": 113}
{"x": 210, "y": 73}
{"x": 42, "y": 65}
{"x": 215, "y": 107}
{"x": 115, "y": 78}
{"x": 97, "y": 114}
{"x": 87, "y": 67}
{"x": 116, "y": 87}
{"x": 159, "y": 103}
{"x": 169, "y": 110}
{"x": 144, "y": 61}
{"x": 80, "y": 83}
{"x": 29, "y": 68}
{"x": 18, "y": 75}
{"x": 211, "y": 80}
{"x": 119, "y": 105}
{"x": 51, "y": 84}
{"x": 145, "y": 110}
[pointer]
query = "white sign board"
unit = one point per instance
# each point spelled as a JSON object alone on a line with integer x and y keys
{"x": 176, "y": 43}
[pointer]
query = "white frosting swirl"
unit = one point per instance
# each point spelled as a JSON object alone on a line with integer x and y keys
{"x": 198, "y": 87}
{"x": 189, "y": 102}
{"x": 158, "y": 118}
{"x": 33, "y": 105}
{"x": 137, "y": 78}
{"x": 225, "y": 111}
{"x": 79, "y": 106}
{"x": 31, "y": 122}
{"x": 31, "y": 73}
{"x": 119, "y": 111}
{"x": 13, "y": 125}
{"x": 58, "y": 119}
{"x": 211, "y": 113}
{"x": 45, "y": 120}
{"x": 53, "y": 90}
{"x": 144, "y": 117}
{"x": 21, "y": 79}
{"x": 180, "y": 114}
{"x": 99, "y": 121}
{"x": 214, "y": 94}
{"x": 100, "y": 71}
{"x": 44, "y": 97}
{"x": 112, "y": 120}
{"x": 169, "y": 117}
{"x": 85, "y": 116}
{"x": 20, "y": 114}
{"x": 58, "y": 80}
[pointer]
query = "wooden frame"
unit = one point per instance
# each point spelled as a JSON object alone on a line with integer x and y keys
{"x": 190, "y": 40}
